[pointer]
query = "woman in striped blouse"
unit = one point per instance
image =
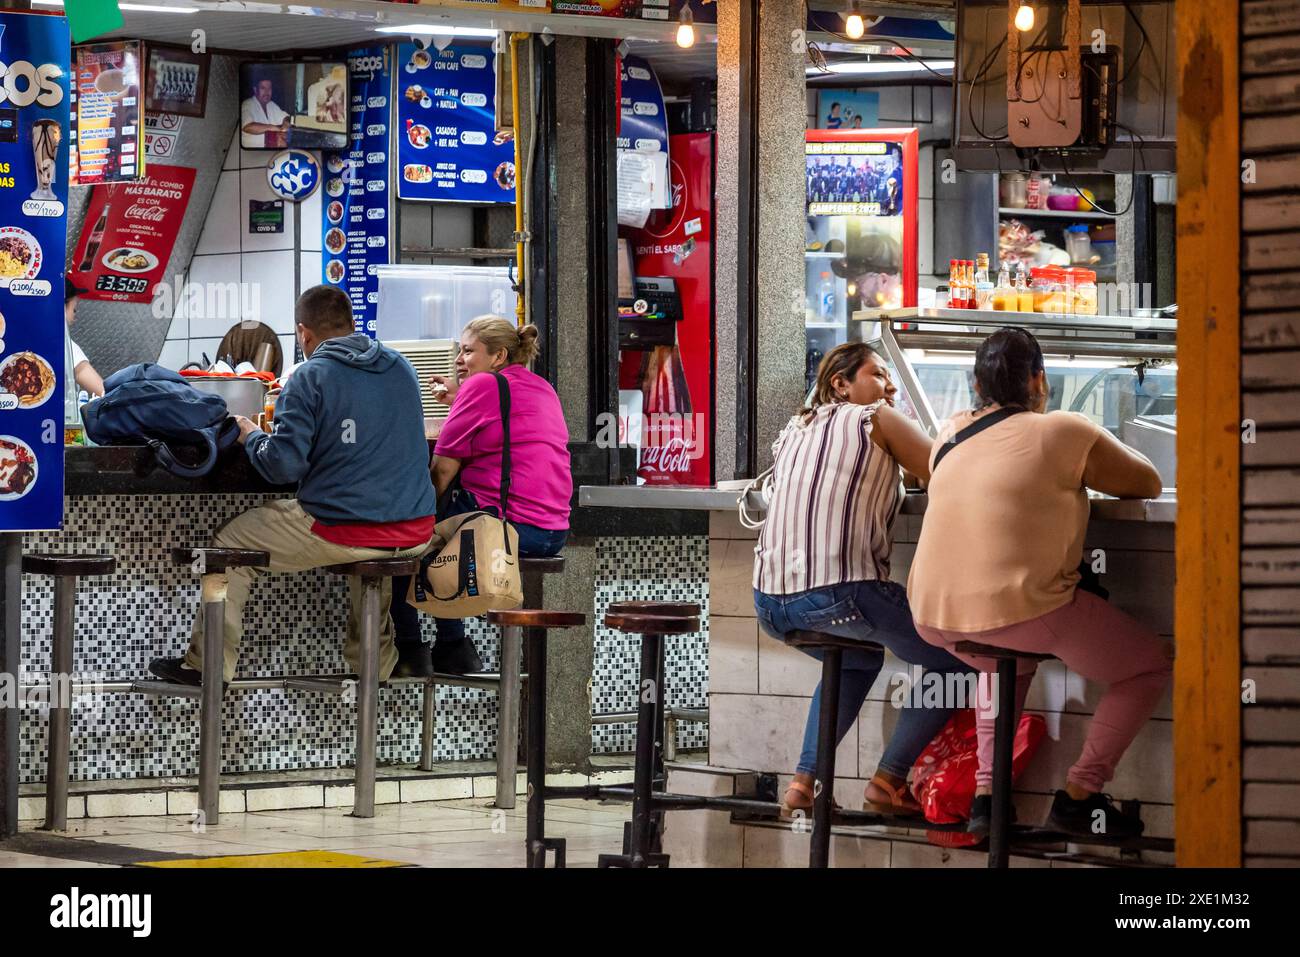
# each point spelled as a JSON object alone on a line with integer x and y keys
{"x": 822, "y": 559}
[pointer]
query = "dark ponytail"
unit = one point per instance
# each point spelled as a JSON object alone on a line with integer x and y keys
{"x": 1004, "y": 364}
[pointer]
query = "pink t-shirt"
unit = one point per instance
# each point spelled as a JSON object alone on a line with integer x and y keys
{"x": 541, "y": 482}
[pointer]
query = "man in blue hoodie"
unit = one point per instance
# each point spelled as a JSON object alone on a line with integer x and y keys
{"x": 349, "y": 430}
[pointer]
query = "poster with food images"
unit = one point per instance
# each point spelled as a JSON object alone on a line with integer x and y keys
{"x": 448, "y": 147}
{"x": 33, "y": 209}
{"x": 109, "y": 130}
{"x": 355, "y": 226}
{"x": 128, "y": 234}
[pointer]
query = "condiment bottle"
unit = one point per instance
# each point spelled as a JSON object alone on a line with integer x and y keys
{"x": 1024, "y": 295}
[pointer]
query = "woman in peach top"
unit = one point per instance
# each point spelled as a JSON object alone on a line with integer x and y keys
{"x": 997, "y": 563}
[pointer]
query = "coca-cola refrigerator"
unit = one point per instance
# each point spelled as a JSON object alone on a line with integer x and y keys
{"x": 666, "y": 360}
{"x": 860, "y": 242}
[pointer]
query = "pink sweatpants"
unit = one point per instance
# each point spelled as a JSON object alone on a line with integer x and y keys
{"x": 1097, "y": 641}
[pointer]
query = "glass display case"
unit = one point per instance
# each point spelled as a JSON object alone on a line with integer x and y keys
{"x": 1120, "y": 371}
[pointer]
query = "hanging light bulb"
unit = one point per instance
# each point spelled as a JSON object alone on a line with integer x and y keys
{"x": 686, "y": 27}
{"x": 1025, "y": 18}
{"x": 853, "y": 25}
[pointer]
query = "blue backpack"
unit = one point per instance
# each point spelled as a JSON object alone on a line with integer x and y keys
{"x": 147, "y": 403}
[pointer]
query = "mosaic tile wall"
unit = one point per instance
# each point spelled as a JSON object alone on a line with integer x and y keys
{"x": 146, "y": 608}
{"x": 651, "y": 569}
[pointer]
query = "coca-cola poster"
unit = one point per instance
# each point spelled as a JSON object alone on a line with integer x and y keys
{"x": 128, "y": 234}
{"x": 676, "y": 381}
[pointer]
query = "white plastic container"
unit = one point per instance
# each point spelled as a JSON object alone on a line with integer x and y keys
{"x": 435, "y": 302}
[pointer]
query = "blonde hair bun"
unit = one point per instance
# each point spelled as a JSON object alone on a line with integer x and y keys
{"x": 497, "y": 333}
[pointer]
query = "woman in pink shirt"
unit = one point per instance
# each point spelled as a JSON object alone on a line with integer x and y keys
{"x": 467, "y": 471}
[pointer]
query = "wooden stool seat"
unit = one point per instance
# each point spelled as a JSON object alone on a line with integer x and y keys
{"x": 819, "y": 639}
{"x": 537, "y": 618}
{"x": 685, "y": 609}
{"x": 377, "y": 567}
{"x": 552, "y": 565}
{"x": 992, "y": 651}
{"x": 653, "y": 624}
{"x": 69, "y": 564}
{"x": 218, "y": 560}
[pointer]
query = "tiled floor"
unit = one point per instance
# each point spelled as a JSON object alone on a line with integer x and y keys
{"x": 462, "y": 833}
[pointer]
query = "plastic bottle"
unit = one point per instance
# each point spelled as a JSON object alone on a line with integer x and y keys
{"x": 1004, "y": 295}
{"x": 1024, "y": 295}
{"x": 983, "y": 286}
{"x": 826, "y": 299}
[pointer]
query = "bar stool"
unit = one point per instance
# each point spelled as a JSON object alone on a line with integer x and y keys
{"x": 65, "y": 570}
{"x": 212, "y": 564}
{"x": 1004, "y": 734}
{"x": 652, "y": 628}
{"x": 832, "y": 648}
{"x": 645, "y": 607}
{"x": 534, "y": 623}
{"x": 371, "y": 574}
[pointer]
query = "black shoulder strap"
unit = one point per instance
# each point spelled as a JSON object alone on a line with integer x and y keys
{"x": 503, "y": 392}
{"x": 975, "y": 428}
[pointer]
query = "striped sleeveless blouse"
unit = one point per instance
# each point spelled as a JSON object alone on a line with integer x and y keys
{"x": 835, "y": 497}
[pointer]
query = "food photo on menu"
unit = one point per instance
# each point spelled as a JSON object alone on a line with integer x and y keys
{"x": 299, "y": 104}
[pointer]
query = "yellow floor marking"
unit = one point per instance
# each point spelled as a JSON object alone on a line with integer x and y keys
{"x": 285, "y": 859}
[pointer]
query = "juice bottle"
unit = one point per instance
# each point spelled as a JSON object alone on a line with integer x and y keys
{"x": 1024, "y": 295}
{"x": 1004, "y": 295}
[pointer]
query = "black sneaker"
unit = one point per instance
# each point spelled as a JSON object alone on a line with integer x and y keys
{"x": 1094, "y": 816}
{"x": 414, "y": 660}
{"x": 456, "y": 658}
{"x": 981, "y": 814}
{"x": 174, "y": 670}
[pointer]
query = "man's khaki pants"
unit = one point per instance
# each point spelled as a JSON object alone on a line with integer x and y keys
{"x": 283, "y": 529}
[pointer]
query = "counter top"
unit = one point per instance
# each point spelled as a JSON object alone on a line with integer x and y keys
{"x": 711, "y": 498}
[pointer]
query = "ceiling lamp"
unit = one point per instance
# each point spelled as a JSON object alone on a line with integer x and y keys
{"x": 854, "y": 27}
{"x": 1024, "y": 18}
{"x": 686, "y": 27}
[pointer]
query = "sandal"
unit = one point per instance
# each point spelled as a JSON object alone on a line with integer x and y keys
{"x": 883, "y": 798}
{"x": 789, "y": 809}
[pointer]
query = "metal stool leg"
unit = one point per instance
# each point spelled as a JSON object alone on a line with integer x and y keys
{"x": 649, "y": 693}
{"x": 824, "y": 785}
{"x": 428, "y": 725}
{"x": 535, "y": 839}
{"x": 367, "y": 701}
{"x": 214, "y": 660}
{"x": 508, "y": 716}
{"x": 1004, "y": 732}
{"x": 56, "y": 778}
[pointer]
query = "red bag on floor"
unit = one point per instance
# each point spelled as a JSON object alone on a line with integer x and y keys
{"x": 943, "y": 777}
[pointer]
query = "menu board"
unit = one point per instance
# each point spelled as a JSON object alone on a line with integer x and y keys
{"x": 448, "y": 147}
{"x": 33, "y": 209}
{"x": 354, "y": 220}
{"x": 128, "y": 234}
{"x": 108, "y": 127}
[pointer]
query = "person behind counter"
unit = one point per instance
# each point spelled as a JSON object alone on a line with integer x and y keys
{"x": 347, "y": 425}
{"x": 467, "y": 471}
{"x": 998, "y": 558}
{"x": 82, "y": 371}
{"x": 822, "y": 559}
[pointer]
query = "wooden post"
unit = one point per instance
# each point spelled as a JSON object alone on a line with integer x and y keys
{"x": 1207, "y": 626}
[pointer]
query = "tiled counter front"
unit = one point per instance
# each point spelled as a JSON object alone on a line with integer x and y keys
{"x": 293, "y": 625}
{"x": 759, "y": 690}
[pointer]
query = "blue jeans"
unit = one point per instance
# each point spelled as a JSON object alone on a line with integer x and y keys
{"x": 872, "y": 611}
{"x": 534, "y": 542}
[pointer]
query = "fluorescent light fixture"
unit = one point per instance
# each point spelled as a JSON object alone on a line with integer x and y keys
{"x": 132, "y": 7}
{"x": 428, "y": 30}
{"x": 882, "y": 66}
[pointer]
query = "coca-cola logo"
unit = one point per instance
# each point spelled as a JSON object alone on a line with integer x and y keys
{"x": 150, "y": 214}
{"x": 675, "y": 455}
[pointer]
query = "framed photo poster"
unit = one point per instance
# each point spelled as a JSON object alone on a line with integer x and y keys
{"x": 176, "y": 81}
